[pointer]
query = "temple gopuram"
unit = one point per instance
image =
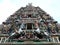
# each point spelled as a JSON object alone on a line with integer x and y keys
{"x": 30, "y": 25}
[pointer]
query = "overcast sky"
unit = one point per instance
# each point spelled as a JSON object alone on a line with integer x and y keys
{"x": 8, "y": 7}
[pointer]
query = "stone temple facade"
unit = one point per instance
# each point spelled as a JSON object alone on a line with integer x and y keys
{"x": 30, "y": 25}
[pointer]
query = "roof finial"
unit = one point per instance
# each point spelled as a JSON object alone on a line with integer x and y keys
{"x": 29, "y": 4}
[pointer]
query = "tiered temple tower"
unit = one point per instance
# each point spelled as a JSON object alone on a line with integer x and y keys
{"x": 29, "y": 25}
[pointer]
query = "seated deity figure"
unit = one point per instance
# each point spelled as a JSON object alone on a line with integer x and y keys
{"x": 18, "y": 33}
{"x": 39, "y": 33}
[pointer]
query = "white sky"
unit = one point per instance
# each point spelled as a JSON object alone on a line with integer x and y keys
{"x": 8, "y": 7}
